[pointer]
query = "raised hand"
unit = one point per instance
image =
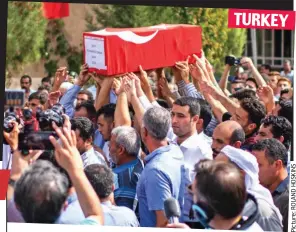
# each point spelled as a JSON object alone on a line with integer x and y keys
{"x": 67, "y": 122}
{"x": 208, "y": 89}
{"x": 117, "y": 86}
{"x": 60, "y": 76}
{"x": 265, "y": 94}
{"x": 66, "y": 152}
{"x": 143, "y": 77}
{"x": 12, "y": 137}
{"x": 130, "y": 88}
{"x": 83, "y": 76}
{"x": 246, "y": 62}
{"x": 54, "y": 97}
{"x": 195, "y": 72}
{"x": 164, "y": 87}
{"x": 98, "y": 79}
{"x": 132, "y": 76}
{"x": 181, "y": 70}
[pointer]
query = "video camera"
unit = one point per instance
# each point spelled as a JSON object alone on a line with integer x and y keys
{"x": 34, "y": 137}
{"x": 47, "y": 117}
{"x": 232, "y": 60}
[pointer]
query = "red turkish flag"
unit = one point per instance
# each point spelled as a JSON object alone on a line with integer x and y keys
{"x": 53, "y": 10}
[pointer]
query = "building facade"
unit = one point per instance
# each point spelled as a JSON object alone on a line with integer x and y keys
{"x": 273, "y": 47}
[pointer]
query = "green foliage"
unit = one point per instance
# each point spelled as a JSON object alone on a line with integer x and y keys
{"x": 218, "y": 40}
{"x": 25, "y": 34}
{"x": 56, "y": 46}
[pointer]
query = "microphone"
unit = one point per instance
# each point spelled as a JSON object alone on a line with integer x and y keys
{"x": 172, "y": 210}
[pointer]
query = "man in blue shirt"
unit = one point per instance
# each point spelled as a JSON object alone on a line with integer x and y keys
{"x": 75, "y": 93}
{"x": 163, "y": 174}
{"x": 101, "y": 179}
{"x": 125, "y": 146}
{"x": 273, "y": 175}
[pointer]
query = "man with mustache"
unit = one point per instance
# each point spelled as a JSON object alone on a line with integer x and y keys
{"x": 227, "y": 133}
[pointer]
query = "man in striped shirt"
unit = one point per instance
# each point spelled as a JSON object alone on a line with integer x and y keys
{"x": 124, "y": 149}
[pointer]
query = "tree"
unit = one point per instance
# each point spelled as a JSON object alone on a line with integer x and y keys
{"x": 218, "y": 40}
{"x": 25, "y": 34}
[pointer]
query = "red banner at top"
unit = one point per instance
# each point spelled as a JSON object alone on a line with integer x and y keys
{"x": 261, "y": 19}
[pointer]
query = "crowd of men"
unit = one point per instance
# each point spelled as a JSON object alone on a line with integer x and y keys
{"x": 127, "y": 144}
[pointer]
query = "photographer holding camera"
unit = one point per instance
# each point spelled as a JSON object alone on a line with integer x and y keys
{"x": 41, "y": 192}
{"x": 237, "y": 82}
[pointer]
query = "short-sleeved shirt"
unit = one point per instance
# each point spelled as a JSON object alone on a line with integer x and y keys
{"x": 73, "y": 213}
{"x": 89, "y": 222}
{"x": 92, "y": 157}
{"x": 161, "y": 179}
{"x": 126, "y": 180}
{"x": 281, "y": 200}
{"x": 118, "y": 215}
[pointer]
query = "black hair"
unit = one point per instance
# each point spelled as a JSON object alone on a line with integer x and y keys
{"x": 46, "y": 79}
{"x": 101, "y": 179}
{"x": 88, "y": 93}
{"x": 274, "y": 150}
{"x": 90, "y": 108}
{"x": 41, "y": 192}
{"x": 256, "y": 110}
{"x": 42, "y": 97}
{"x": 280, "y": 126}
{"x": 227, "y": 187}
{"x": 108, "y": 111}
{"x": 244, "y": 93}
{"x": 163, "y": 103}
{"x": 25, "y": 77}
{"x": 238, "y": 135}
{"x": 206, "y": 113}
{"x": 84, "y": 126}
{"x": 286, "y": 110}
{"x": 194, "y": 107}
{"x": 266, "y": 66}
{"x": 253, "y": 80}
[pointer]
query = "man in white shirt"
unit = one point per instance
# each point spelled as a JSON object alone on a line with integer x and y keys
{"x": 105, "y": 121}
{"x": 185, "y": 116}
{"x": 84, "y": 130}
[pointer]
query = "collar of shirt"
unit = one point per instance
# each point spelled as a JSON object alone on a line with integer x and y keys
{"x": 107, "y": 203}
{"x": 156, "y": 152}
{"x": 188, "y": 143}
{"x": 282, "y": 186}
{"x": 126, "y": 165}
